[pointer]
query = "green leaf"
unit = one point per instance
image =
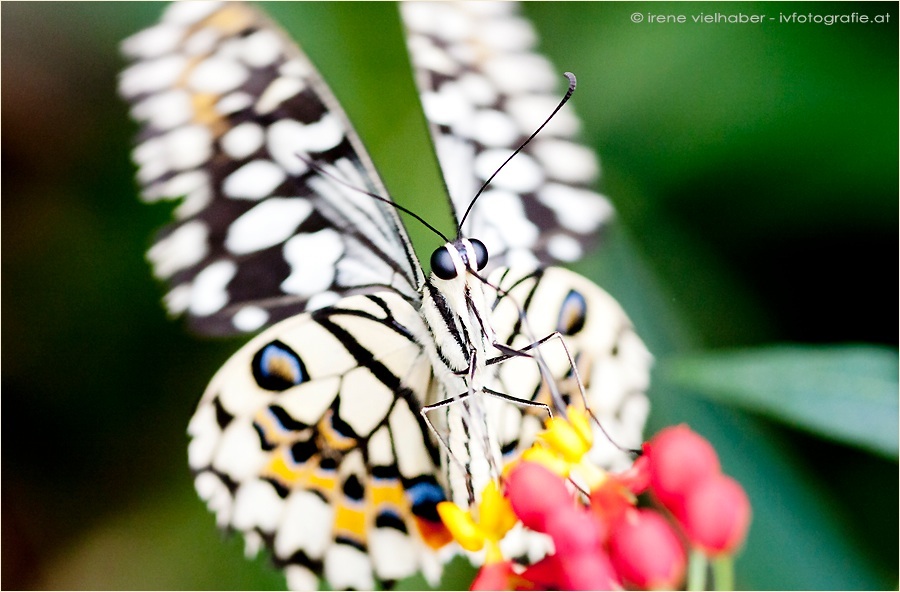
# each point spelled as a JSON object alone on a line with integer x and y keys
{"x": 846, "y": 393}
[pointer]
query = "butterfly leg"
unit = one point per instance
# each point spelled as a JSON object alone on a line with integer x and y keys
{"x": 445, "y": 443}
{"x": 479, "y": 423}
{"x": 468, "y": 441}
{"x": 509, "y": 352}
{"x": 519, "y": 402}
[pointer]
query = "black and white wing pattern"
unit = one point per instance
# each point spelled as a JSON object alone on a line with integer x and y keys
{"x": 484, "y": 90}
{"x": 310, "y": 440}
{"x": 232, "y": 113}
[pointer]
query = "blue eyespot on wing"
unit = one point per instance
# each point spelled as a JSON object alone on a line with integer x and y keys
{"x": 276, "y": 367}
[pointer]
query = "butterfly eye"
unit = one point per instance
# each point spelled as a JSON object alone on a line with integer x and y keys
{"x": 276, "y": 367}
{"x": 481, "y": 254}
{"x": 572, "y": 314}
{"x": 442, "y": 264}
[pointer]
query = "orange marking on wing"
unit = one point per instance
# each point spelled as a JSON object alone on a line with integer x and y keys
{"x": 275, "y": 433}
{"x": 228, "y": 20}
{"x": 434, "y": 534}
{"x": 231, "y": 19}
{"x": 332, "y": 439}
{"x": 205, "y": 112}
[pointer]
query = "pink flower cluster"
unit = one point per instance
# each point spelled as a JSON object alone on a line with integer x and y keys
{"x": 604, "y": 540}
{"x": 712, "y": 509}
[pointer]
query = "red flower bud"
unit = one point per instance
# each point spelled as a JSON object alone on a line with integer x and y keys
{"x": 497, "y": 576}
{"x": 545, "y": 574}
{"x": 610, "y": 500}
{"x": 646, "y": 552}
{"x": 717, "y": 515}
{"x": 679, "y": 459}
{"x": 542, "y": 502}
{"x": 636, "y": 477}
{"x": 574, "y": 531}
{"x": 588, "y": 571}
{"x": 536, "y": 493}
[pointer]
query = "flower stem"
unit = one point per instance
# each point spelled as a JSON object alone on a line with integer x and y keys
{"x": 697, "y": 571}
{"x": 723, "y": 572}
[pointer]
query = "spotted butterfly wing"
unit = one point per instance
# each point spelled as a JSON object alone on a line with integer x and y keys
{"x": 310, "y": 440}
{"x": 484, "y": 90}
{"x": 233, "y": 115}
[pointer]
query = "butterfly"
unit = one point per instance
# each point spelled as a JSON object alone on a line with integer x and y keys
{"x": 372, "y": 391}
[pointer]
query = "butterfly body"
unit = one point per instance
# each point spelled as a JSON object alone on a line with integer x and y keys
{"x": 455, "y": 309}
{"x": 368, "y": 397}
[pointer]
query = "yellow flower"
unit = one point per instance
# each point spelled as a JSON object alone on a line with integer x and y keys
{"x": 495, "y": 518}
{"x": 571, "y": 438}
{"x": 563, "y": 445}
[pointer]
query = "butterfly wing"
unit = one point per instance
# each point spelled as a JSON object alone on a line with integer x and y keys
{"x": 232, "y": 116}
{"x": 484, "y": 91}
{"x": 612, "y": 361}
{"x": 309, "y": 440}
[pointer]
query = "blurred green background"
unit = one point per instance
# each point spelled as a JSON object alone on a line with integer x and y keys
{"x": 754, "y": 168}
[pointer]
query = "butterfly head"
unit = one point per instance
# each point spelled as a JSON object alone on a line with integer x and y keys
{"x": 452, "y": 260}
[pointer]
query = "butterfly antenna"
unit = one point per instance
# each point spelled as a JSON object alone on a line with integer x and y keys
{"x": 564, "y": 100}
{"x": 322, "y": 170}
